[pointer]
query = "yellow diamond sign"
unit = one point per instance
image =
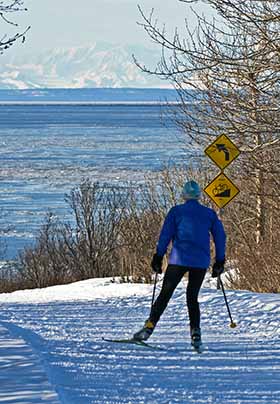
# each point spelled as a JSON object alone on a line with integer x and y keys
{"x": 222, "y": 151}
{"x": 221, "y": 190}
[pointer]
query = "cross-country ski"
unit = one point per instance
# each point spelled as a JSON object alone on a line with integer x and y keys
{"x": 132, "y": 341}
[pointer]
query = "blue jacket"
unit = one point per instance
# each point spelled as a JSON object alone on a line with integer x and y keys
{"x": 189, "y": 226}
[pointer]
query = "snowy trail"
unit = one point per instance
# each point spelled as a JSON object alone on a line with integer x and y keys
{"x": 238, "y": 366}
{"x": 22, "y": 377}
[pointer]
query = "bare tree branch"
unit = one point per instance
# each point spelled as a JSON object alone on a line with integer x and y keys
{"x": 8, "y": 7}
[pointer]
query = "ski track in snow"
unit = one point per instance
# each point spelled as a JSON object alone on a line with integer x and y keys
{"x": 22, "y": 377}
{"x": 238, "y": 366}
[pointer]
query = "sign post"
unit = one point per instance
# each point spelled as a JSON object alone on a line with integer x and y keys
{"x": 221, "y": 189}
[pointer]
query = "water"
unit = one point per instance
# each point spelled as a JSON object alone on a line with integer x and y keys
{"x": 47, "y": 149}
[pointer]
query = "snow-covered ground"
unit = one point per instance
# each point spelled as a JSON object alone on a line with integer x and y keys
{"x": 22, "y": 378}
{"x": 51, "y": 347}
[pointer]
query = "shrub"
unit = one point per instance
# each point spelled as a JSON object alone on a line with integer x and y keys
{"x": 113, "y": 232}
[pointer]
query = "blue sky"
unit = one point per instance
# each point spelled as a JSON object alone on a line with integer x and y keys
{"x": 65, "y": 23}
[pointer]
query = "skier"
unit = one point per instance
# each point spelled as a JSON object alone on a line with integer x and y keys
{"x": 188, "y": 226}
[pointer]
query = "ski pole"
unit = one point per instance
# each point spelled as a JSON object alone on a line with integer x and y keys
{"x": 154, "y": 290}
{"x": 232, "y": 323}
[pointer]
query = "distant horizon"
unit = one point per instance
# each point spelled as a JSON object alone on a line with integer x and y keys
{"x": 87, "y": 88}
{"x": 94, "y": 95}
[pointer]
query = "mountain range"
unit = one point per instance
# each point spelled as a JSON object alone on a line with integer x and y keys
{"x": 97, "y": 65}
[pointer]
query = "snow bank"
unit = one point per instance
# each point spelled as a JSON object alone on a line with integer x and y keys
{"x": 91, "y": 289}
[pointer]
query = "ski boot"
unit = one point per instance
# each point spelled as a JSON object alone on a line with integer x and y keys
{"x": 145, "y": 332}
{"x": 196, "y": 338}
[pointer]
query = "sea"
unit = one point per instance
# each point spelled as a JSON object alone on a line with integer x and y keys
{"x": 50, "y": 140}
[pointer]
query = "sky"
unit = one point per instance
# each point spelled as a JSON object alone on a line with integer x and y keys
{"x": 67, "y": 23}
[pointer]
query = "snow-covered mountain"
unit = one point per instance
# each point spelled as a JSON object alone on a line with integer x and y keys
{"x": 98, "y": 65}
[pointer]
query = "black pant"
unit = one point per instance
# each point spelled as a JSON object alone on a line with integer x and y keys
{"x": 172, "y": 277}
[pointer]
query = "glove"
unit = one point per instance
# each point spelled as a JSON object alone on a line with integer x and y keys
{"x": 218, "y": 268}
{"x": 157, "y": 263}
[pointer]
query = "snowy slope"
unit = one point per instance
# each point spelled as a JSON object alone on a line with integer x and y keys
{"x": 64, "y": 326}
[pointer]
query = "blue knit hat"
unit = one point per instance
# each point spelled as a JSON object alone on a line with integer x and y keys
{"x": 191, "y": 190}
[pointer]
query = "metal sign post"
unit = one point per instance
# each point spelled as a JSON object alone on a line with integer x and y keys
{"x": 222, "y": 152}
{"x": 221, "y": 190}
